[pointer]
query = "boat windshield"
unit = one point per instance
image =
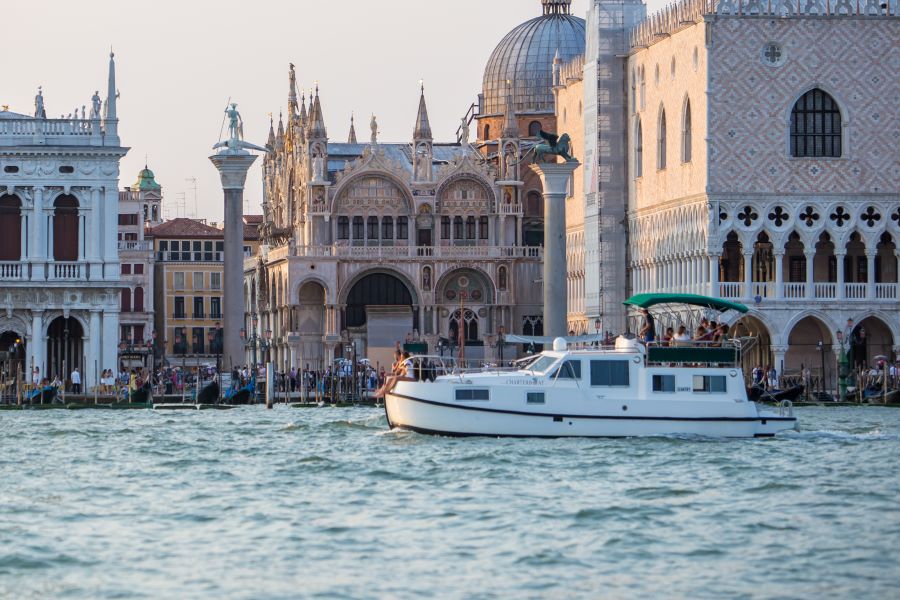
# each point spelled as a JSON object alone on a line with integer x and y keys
{"x": 543, "y": 363}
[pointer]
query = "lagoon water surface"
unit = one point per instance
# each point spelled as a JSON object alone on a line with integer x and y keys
{"x": 325, "y": 503}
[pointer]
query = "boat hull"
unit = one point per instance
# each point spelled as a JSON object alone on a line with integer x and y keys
{"x": 442, "y": 418}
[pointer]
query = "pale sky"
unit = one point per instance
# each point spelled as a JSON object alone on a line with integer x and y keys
{"x": 179, "y": 61}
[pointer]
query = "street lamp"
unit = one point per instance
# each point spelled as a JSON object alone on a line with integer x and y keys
{"x": 842, "y": 365}
{"x": 598, "y": 325}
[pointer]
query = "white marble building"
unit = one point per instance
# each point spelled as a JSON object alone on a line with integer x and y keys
{"x": 59, "y": 258}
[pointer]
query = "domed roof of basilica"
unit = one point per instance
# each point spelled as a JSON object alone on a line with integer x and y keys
{"x": 524, "y": 58}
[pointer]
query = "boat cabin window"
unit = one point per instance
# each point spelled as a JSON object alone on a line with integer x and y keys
{"x": 709, "y": 383}
{"x": 472, "y": 394}
{"x": 542, "y": 364}
{"x": 571, "y": 369}
{"x": 663, "y": 383}
{"x": 609, "y": 372}
{"x": 534, "y": 398}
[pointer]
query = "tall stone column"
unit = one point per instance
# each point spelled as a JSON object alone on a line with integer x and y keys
{"x": 233, "y": 173}
{"x": 555, "y": 179}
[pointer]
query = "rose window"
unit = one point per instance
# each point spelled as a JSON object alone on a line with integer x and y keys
{"x": 747, "y": 216}
{"x": 839, "y": 216}
{"x": 779, "y": 216}
{"x": 809, "y": 216}
{"x": 871, "y": 216}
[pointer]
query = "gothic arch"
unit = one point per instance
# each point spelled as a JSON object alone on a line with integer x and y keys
{"x": 403, "y": 277}
{"x": 823, "y": 318}
{"x": 345, "y": 184}
{"x": 446, "y": 279}
{"x": 295, "y": 289}
{"x": 457, "y": 177}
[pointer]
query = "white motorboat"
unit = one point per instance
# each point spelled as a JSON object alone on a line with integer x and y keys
{"x": 623, "y": 390}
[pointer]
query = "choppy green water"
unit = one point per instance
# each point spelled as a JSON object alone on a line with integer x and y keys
{"x": 325, "y": 503}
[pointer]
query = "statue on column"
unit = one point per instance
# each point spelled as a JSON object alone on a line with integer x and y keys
{"x": 235, "y": 142}
{"x": 373, "y": 125}
{"x": 553, "y": 145}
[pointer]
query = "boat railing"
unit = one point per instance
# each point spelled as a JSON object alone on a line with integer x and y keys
{"x": 695, "y": 353}
{"x": 430, "y": 367}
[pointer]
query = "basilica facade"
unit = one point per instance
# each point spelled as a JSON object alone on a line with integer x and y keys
{"x": 59, "y": 261}
{"x": 371, "y": 244}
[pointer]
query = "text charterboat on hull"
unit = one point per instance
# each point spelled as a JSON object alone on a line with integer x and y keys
{"x": 625, "y": 389}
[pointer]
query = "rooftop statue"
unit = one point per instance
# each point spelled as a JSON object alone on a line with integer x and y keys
{"x": 235, "y": 143}
{"x": 39, "y": 111}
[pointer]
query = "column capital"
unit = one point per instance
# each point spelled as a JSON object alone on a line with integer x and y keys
{"x": 841, "y": 252}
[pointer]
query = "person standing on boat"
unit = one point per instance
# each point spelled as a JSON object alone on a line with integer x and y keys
{"x": 772, "y": 376}
{"x": 76, "y": 381}
{"x": 648, "y": 330}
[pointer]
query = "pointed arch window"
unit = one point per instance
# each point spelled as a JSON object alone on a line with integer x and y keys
{"x": 638, "y": 149}
{"x": 816, "y": 126}
{"x": 686, "y": 133}
{"x": 643, "y": 84}
{"x": 661, "y": 141}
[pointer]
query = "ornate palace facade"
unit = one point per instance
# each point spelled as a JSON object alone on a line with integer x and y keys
{"x": 746, "y": 150}
{"x": 59, "y": 262}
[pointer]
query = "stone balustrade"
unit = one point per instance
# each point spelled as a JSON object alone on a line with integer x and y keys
{"x": 821, "y": 290}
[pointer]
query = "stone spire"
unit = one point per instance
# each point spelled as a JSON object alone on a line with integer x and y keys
{"x": 271, "y": 142}
{"x": 303, "y": 110}
{"x": 423, "y": 127}
{"x": 351, "y": 139}
{"x": 510, "y": 124}
{"x": 111, "y": 122}
{"x": 279, "y": 138}
{"x": 292, "y": 94}
{"x": 111, "y": 91}
{"x": 316, "y": 119}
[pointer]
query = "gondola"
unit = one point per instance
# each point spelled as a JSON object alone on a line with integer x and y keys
{"x": 877, "y": 394}
{"x": 209, "y": 394}
{"x": 244, "y": 395}
{"x": 757, "y": 393}
{"x": 140, "y": 395}
{"x": 45, "y": 395}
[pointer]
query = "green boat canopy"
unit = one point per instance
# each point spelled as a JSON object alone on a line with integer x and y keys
{"x": 648, "y": 300}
